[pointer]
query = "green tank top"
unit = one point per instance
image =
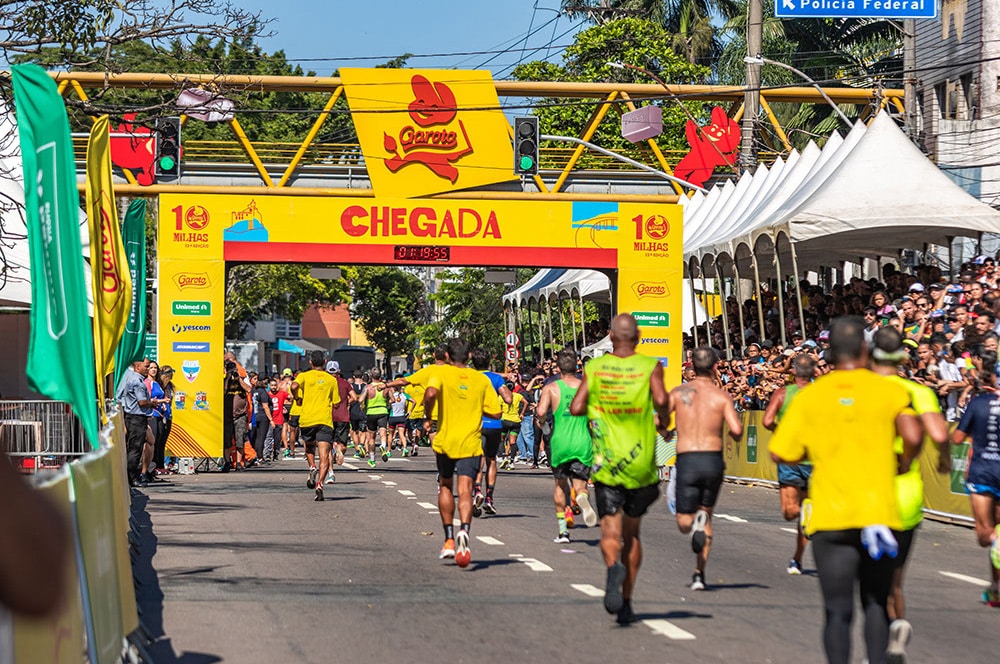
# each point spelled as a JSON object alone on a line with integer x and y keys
{"x": 620, "y": 410}
{"x": 377, "y": 404}
{"x": 790, "y": 391}
{"x": 570, "y": 437}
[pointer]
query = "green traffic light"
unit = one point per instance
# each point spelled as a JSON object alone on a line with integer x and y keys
{"x": 167, "y": 163}
{"x": 526, "y": 163}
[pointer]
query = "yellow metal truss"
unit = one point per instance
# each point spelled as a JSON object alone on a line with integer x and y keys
{"x": 562, "y": 161}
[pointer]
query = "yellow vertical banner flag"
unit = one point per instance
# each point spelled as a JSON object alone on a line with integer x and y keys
{"x": 112, "y": 282}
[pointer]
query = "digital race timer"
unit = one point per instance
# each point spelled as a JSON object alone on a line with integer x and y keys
{"x": 421, "y": 253}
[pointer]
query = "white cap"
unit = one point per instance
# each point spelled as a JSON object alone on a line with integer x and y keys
{"x": 333, "y": 366}
{"x": 919, "y": 287}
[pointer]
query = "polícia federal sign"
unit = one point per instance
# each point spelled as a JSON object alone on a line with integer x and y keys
{"x": 855, "y": 8}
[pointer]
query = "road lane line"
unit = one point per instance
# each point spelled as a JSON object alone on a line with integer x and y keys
{"x": 515, "y": 555}
{"x": 388, "y": 483}
{"x": 374, "y": 477}
{"x": 404, "y": 492}
{"x": 349, "y": 466}
{"x": 491, "y": 541}
{"x": 428, "y": 506}
{"x": 587, "y": 589}
{"x": 535, "y": 565}
{"x": 668, "y": 629}
{"x": 734, "y": 519}
{"x": 962, "y": 577}
{"x": 791, "y": 530}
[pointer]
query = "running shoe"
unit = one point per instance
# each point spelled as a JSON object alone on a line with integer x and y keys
{"x": 385, "y": 455}
{"x": 371, "y": 463}
{"x": 358, "y": 454}
{"x": 330, "y": 479}
{"x": 570, "y": 521}
{"x": 576, "y": 508}
{"x": 415, "y": 451}
{"x": 463, "y": 556}
{"x": 448, "y": 550}
{"x": 589, "y": 515}
{"x": 613, "y": 600}
{"x": 477, "y": 500}
{"x": 319, "y": 493}
{"x": 489, "y": 507}
{"x": 995, "y": 548}
{"x": 563, "y": 538}
{"x": 626, "y": 616}
{"x": 406, "y": 452}
{"x": 698, "y": 581}
{"x": 794, "y": 567}
{"x": 805, "y": 516}
{"x": 899, "y": 635}
{"x": 286, "y": 454}
{"x": 698, "y": 531}
{"x": 338, "y": 458}
{"x": 311, "y": 482}
{"x": 991, "y": 598}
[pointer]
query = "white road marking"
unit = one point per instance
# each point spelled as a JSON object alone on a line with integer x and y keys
{"x": 791, "y": 530}
{"x": 491, "y": 541}
{"x": 404, "y": 492}
{"x": 967, "y": 579}
{"x": 514, "y": 555}
{"x": 374, "y": 477}
{"x": 587, "y": 589}
{"x": 428, "y": 506}
{"x": 349, "y": 466}
{"x": 668, "y": 629}
{"x": 535, "y": 565}
{"x": 734, "y": 519}
{"x": 388, "y": 483}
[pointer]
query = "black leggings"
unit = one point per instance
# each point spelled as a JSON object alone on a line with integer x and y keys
{"x": 161, "y": 429}
{"x": 840, "y": 561}
{"x": 259, "y": 436}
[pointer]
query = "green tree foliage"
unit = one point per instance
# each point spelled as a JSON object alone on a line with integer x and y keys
{"x": 286, "y": 290}
{"x": 469, "y": 308}
{"x": 634, "y": 41}
{"x": 387, "y": 303}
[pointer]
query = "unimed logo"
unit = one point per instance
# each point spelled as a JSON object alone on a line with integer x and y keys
{"x": 191, "y": 308}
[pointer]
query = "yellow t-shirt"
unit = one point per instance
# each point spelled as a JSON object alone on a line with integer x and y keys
{"x": 512, "y": 411}
{"x": 420, "y": 379}
{"x": 910, "y": 485}
{"x": 845, "y": 423}
{"x": 416, "y": 394}
{"x": 465, "y": 395}
{"x": 319, "y": 394}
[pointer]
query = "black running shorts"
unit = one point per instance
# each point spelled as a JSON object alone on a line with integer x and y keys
{"x": 491, "y": 442}
{"x": 635, "y": 502}
{"x": 699, "y": 476}
{"x": 341, "y": 432}
{"x": 319, "y": 433}
{"x": 511, "y": 427}
{"x": 376, "y": 422}
{"x": 571, "y": 470}
{"x": 448, "y": 467}
{"x": 293, "y": 421}
{"x": 359, "y": 424}
{"x": 397, "y": 422}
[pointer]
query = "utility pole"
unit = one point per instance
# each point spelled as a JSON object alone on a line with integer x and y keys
{"x": 910, "y": 76}
{"x": 751, "y": 99}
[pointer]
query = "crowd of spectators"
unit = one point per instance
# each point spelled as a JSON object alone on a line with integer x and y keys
{"x": 950, "y": 326}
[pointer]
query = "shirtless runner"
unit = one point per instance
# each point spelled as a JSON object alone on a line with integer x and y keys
{"x": 700, "y": 409}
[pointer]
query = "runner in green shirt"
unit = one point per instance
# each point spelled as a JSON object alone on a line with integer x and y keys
{"x": 619, "y": 393}
{"x": 570, "y": 449}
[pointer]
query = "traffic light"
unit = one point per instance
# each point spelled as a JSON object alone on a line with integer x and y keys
{"x": 168, "y": 148}
{"x": 526, "y": 146}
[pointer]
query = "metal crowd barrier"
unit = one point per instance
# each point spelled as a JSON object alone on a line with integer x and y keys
{"x": 40, "y": 434}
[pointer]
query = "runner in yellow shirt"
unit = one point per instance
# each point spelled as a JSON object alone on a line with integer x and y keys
{"x": 847, "y": 422}
{"x": 887, "y": 353}
{"x": 315, "y": 392}
{"x": 463, "y": 396}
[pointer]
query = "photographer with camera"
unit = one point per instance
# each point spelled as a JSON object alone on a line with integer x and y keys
{"x": 235, "y": 416}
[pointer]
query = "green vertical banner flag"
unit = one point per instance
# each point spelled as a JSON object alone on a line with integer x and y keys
{"x": 132, "y": 344}
{"x": 61, "y": 343}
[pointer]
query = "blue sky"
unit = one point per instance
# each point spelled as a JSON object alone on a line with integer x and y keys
{"x": 341, "y": 30}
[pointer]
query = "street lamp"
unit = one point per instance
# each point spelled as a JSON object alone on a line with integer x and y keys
{"x": 759, "y": 60}
{"x": 700, "y": 129}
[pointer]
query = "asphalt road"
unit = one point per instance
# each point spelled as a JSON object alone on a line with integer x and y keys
{"x": 246, "y": 568}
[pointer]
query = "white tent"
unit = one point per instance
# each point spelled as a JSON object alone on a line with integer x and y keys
{"x": 871, "y": 193}
{"x": 15, "y": 280}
